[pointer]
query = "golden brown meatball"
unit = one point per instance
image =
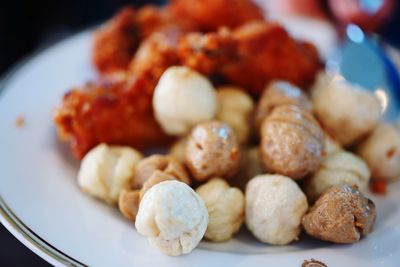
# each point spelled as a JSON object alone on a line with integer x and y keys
{"x": 381, "y": 151}
{"x": 276, "y": 94}
{"x": 167, "y": 164}
{"x": 346, "y": 111}
{"x": 128, "y": 204}
{"x": 341, "y": 215}
{"x": 212, "y": 150}
{"x": 292, "y": 143}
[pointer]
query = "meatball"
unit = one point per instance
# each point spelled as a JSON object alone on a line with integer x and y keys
{"x": 274, "y": 207}
{"x": 106, "y": 170}
{"x": 235, "y": 108}
{"x": 212, "y": 150}
{"x": 182, "y": 99}
{"x": 225, "y": 207}
{"x": 167, "y": 164}
{"x": 292, "y": 143}
{"x": 173, "y": 217}
{"x": 276, "y": 94}
{"x": 250, "y": 166}
{"x": 341, "y": 215}
{"x": 339, "y": 168}
{"x": 346, "y": 111}
{"x": 381, "y": 151}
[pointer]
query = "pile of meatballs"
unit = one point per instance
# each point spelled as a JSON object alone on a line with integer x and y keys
{"x": 279, "y": 166}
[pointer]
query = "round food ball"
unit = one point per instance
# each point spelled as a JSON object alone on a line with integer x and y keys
{"x": 235, "y": 108}
{"x": 346, "y": 111}
{"x": 212, "y": 150}
{"x": 106, "y": 170}
{"x": 182, "y": 99}
{"x": 274, "y": 207}
{"x": 173, "y": 217}
{"x": 341, "y": 215}
{"x": 165, "y": 163}
{"x": 381, "y": 151}
{"x": 292, "y": 143}
{"x": 339, "y": 168}
{"x": 225, "y": 207}
{"x": 276, "y": 94}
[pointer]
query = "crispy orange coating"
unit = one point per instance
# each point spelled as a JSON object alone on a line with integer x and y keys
{"x": 119, "y": 113}
{"x": 251, "y": 56}
{"x": 209, "y": 15}
{"x": 156, "y": 54}
{"x": 116, "y": 42}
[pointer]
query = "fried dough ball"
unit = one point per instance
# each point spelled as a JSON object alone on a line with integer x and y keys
{"x": 292, "y": 143}
{"x": 210, "y": 15}
{"x": 338, "y": 168}
{"x": 212, "y": 150}
{"x": 279, "y": 93}
{"x": 178, "y": 149}
{"x": 155, "y": 178}
{"x": 225, "y": 207}
{"x": 341, "y": 215}
{"x": 173, "y": 217}
{"x": 250, "y": 166}
{"x": 165, "y": 163}
{"x": 182, "y": 99}
{"x": 381, "y": 151}
{"x": 331, "y": 145}
{"x": 235, "y": 108}
{"x": 106, "y": 170}
{"x": 346, "y": 111}
{"x": 274, "y": 208}
{"x": 128, "y": 203}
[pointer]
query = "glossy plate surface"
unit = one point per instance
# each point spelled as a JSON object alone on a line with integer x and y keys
{"x": 43, "y": 207}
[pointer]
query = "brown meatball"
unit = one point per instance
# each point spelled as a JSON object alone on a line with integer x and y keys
{"x": 128, "y": 203}
{"x": 212, "y": 150}
{"x": 276, "y": 94}
{"x": 155, "y": 178}
{"x": 341, "y": 215}
{"x": 167, "y": 164}
{"x": 292, "y": 143}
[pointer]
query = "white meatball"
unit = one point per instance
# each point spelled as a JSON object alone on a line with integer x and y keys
{"x": 173, "y": 217}
{"x": 182, "y": 99}
{"x": 381, "y": 151}
{"x": 274, "y": 207}
{"x": 106, "y": 170}
{"x": 225, "y": 207}
{"x": 235, "y": 107}
{"x": 338, "y": 168}
{"x": 346, "y": 111}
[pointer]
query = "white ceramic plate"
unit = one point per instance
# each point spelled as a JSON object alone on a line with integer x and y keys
{"x": 43, "y": 207}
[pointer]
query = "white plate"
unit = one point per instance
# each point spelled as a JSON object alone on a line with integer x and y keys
{"x": 42, "y": 206}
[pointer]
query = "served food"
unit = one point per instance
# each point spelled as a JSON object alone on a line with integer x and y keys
{"x": 248, "y": 126}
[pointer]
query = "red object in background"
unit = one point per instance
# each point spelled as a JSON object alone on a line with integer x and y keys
{"x": 369, "y": 15}
{"x": 379, "y": 187}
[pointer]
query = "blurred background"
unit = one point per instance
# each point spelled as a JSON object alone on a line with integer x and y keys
{"x": 27, "y": 26}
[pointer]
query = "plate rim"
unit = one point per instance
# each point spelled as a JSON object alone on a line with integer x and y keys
{"x": 8, "y": 218}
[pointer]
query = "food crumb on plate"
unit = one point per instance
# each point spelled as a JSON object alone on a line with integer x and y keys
{"x": 20, "y": 121}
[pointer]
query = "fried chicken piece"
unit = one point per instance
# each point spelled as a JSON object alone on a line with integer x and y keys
{"x": 118, "y": 113}
{"x": 209, "y": 15}
{"x": 156, "y": 54}
{"x": 116, "y": 42}
{"x": 251, "y": 56}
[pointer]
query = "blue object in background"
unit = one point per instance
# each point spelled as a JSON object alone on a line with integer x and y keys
{"x": 363, "y": 60}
